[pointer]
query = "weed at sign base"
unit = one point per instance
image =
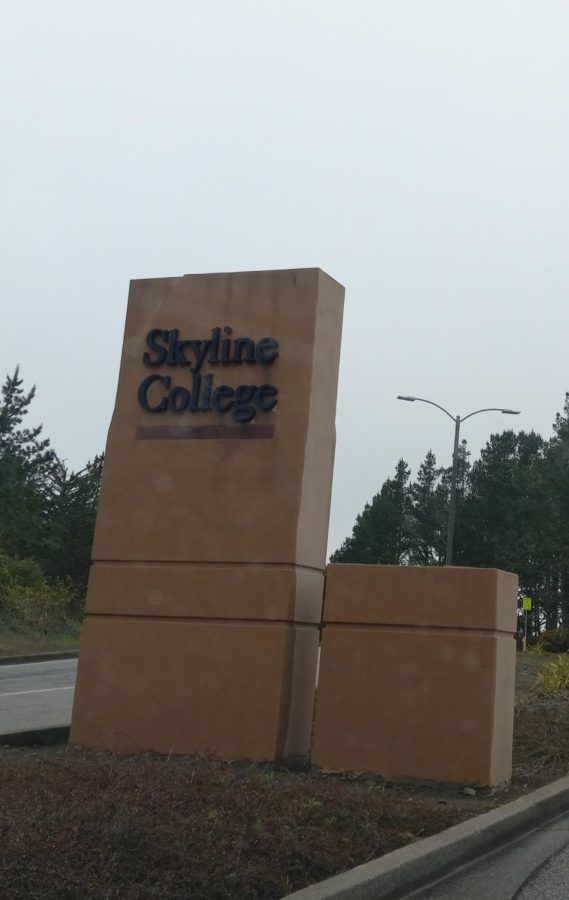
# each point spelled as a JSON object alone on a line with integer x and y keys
{"x": 554, "y": 676}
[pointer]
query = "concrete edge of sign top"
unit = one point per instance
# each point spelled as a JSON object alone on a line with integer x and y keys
{"x": 418, "y": 865}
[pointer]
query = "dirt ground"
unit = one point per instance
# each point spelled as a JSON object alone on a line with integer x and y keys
{"x": 92, "y": 825}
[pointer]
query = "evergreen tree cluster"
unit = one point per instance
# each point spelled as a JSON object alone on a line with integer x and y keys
{"x": 47, "y": 512}
{"x": 512, "y": 513}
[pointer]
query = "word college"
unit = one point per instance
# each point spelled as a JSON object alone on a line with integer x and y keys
{"x": 242, "y": 402}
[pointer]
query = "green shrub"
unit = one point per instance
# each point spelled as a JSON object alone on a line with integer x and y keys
{"x": 555, "y": 641}
{"x": 555, "y": 675}
{"x": 45, "y": 607}
{"x": 27, "y": 599}
{"x": 24, "y": 572}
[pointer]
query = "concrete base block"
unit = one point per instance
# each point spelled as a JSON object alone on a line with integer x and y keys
{"x": 285, "y": 593}
{"x": 408, "y": 689}
{"x": 236, "y": 689}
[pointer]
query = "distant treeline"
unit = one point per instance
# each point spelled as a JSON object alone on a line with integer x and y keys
{"x": 512, "y": 513}
{"x": 47, "y": 513}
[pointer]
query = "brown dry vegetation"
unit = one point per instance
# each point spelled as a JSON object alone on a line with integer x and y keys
{"x": 85, "y": 825}
{"x": 25, "y": 641}
{"x": 77, "y": 825}
{"x": 541, "y": 727}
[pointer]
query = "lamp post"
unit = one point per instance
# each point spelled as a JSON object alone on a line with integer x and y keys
{"x": 457, "y": 423}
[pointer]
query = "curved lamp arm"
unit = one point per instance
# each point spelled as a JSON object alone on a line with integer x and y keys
{"x": 508, "y": 412}
{"x": 430, "y": 402}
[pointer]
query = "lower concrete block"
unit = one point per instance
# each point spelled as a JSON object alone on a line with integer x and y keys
{"x": 419, "y": 701}
{"x": 239, "y": 690}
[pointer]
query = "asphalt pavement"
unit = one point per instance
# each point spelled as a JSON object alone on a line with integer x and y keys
{"x": 36, "y": 695}
{"x": 535, "y": 867}
{"x": 551, "y": 881}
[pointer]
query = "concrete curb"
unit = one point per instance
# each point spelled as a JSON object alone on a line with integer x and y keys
{"x": 397, "y": 874}
{"x": 39, "y": 737}
{"x": 37, "y": 657}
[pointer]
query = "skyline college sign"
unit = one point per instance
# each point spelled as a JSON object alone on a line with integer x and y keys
{"x": 158, "y": 393}
{"x": 206, "y": 587}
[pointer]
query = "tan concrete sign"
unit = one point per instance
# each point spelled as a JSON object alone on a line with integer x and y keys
{"x": 206, "y": 586}
{"x": 417, "y": 673}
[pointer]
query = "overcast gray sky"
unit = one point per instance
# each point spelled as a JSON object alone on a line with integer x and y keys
{"x": 417, "y": 151}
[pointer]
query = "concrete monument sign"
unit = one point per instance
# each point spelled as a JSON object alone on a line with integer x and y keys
{"x": 417, "y": 672}
{"x": 205, "y": 592}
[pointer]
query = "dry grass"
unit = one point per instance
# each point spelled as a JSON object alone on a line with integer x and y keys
{"x": 85, "y": 825}
{"x": 24, "y": 641}
{"x": 541, "y": 726}
{"x": 79, "y": 825}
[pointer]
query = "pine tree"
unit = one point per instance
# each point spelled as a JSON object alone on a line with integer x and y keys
{"x": 47, "y": 513}
{"x": 556, "y": 518}
{"x": 502, "y": 526}
{"x": 429, "y": 509}
{"x": 27, "y": 466}
{"x": 70, "y": 522}
{"x": 381, "y": 532}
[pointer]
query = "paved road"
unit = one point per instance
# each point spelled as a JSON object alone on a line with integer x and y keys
{"x": 551, "y": 882}
{"x": 36, "y": 695}
{"x": 514, "y": 872}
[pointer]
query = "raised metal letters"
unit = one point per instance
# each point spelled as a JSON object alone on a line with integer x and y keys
{"x": 157, "y": 393}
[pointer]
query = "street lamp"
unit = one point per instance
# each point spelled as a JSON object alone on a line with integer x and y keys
{"x": 457, "y": 422}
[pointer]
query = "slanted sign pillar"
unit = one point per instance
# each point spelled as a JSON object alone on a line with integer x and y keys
{"x": 205, "y": 593}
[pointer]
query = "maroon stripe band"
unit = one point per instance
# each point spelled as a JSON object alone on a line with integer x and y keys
{"x": 204, "y": 432}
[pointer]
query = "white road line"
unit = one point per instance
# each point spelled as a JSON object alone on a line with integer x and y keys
{"x": 39, "y": 691}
